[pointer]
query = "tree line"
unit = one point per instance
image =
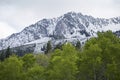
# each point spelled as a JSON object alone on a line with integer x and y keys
{"x": 98, "y": 59}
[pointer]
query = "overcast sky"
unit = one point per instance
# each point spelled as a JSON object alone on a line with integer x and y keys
{"x": 17, "y": 14}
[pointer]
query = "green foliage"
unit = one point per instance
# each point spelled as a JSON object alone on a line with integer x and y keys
{"x": 98, "y": 60}
{"x": 29, "y": 61}
{"x": 35, "y": 73}
{"x": 89, "y": 63}
{"x": 62, "y": 64}
{"x": 42, "y": 60}
{"x": 11, "y": 69}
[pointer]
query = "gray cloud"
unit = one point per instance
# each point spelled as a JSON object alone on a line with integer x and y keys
{"x": 21, "y": 13}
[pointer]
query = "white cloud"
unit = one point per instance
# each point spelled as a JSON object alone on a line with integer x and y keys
{"x": 5, "y": 30}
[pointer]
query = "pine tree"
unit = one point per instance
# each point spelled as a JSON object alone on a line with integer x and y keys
{"x": 2, "y": 55}
{"x": 48, "y": 47}
{"x": 59, "y": 46}
{"x": 8, "y": 52}
{"x": 78, "y": 45}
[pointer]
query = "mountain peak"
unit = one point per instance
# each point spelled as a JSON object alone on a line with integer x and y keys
{"x": 71, "y": 26}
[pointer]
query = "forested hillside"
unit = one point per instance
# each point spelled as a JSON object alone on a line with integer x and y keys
{"x": 98, "y": 59}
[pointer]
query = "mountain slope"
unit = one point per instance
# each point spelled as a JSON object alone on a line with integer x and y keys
{"x": 67, "y": 27}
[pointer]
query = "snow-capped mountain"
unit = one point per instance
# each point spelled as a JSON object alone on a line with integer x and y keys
{"x": 70, "y": 26}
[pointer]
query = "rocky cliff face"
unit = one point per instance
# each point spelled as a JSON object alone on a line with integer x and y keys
{"x": 71, "y": 26}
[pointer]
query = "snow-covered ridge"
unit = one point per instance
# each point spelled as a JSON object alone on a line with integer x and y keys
{"x": 68, "y": 26}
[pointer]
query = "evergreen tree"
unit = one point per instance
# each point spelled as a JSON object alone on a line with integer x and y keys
{"x": 59, "y": 46}
{"x": 8, "y": 52}
{"x": 2, "y": 56}
{"x": 48, "y": 47}
{"x": 78, "y": 45}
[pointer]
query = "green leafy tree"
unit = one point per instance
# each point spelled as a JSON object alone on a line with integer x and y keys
{"x": 62, "y": 64}
{"x": 29, "y": 61}
{"x": 11, "y": 69}
{"x": 99, "y": 58}
{"x": 35, "y": 73}
{"x": 42, "y": 60}
{"x": 89, "y": 64}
